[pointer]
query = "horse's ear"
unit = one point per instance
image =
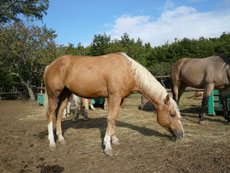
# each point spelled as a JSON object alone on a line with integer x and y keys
{"x": 167, "y": 99}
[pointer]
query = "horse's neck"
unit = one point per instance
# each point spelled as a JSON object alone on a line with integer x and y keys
{"x": 146, "y": 84}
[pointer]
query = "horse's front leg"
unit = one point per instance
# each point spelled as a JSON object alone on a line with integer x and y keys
{"x": 223, "y": 98}
{"x": 207, "y": 92}
{"x": 76, "y": 102}
{"x": 114, "y": 108}
{"x": 201, "y": 114}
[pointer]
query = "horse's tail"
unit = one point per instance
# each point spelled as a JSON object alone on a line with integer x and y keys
{"x": 175, "y": 73}
{"x": 46, "y": 104}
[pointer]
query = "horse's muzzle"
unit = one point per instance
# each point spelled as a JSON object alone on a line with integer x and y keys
{"x": 178, "y": 134}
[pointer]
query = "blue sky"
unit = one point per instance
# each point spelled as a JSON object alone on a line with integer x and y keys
{"x": 154, "y": 21}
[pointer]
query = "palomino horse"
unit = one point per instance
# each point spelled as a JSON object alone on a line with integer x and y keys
{"x": 208, "y": 73}
{"x": 84, "y": 106}
{"x": 114, "y": 76}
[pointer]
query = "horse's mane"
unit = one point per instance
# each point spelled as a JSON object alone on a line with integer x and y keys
{"x": 148, "y": 84}
{"x": 224, "y": 58}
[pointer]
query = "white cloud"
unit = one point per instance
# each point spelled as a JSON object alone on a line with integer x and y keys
{"x": 181, "y": 22}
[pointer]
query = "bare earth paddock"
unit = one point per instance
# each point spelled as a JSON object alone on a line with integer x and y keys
{"x": 144, "y": 145}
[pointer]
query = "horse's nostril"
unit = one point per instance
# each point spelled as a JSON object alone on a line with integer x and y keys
{"x": 177, "y": 134}
{"x": 181, "y": 135}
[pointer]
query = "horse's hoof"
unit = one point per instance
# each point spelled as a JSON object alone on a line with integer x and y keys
{"x": 62, "y": 142}
{"x": 115, "y": 142}
{"x": 52, "y": 147}
{"x": 108, "y": 152}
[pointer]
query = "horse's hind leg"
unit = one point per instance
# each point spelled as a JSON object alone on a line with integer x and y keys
{"x": 207, "y": 92}
{"x": 181, "y": 90}
{"x": 52, "y": 105}
{"x": 223, "y": 98}
{"x": 114, "y": 108}
{"x": 63, "y": 99}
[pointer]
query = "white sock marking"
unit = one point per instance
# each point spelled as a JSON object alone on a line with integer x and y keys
{"x": 51, "y": 134}
{"x": 107, "y": 142}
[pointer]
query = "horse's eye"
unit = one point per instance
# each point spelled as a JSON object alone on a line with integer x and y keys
{"x": 173, "y": 115}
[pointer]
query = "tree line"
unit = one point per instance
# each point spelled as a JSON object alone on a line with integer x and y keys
{"x": 25, "y": 50}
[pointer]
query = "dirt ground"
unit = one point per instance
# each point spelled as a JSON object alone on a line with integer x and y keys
{"x": 144, "y": 145}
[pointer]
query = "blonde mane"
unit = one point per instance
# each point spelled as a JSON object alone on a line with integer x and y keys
{"x": 176, "y": 107}
{"x": 148, "y": 85}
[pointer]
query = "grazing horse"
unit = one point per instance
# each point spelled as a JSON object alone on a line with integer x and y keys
{"x": 208, "y": 73}
{"x": 114, "y": 76}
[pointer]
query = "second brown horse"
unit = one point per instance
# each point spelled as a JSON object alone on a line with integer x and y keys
{"x": 207, "y": 73}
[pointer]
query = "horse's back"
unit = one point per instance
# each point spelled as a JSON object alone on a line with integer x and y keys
{"x": 91, "y": 76}
{"x": 198, "y": 72}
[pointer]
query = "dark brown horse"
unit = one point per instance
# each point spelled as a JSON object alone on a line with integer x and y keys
{"x": 114, "y": 76}
{"x": 207, "y": 73}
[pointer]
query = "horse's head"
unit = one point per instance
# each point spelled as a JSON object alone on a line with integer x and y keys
{"x": 168, "y": 116}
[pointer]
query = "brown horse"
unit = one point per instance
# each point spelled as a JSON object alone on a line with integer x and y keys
{"x": 207, "y": 73}
{"x": 114, "y": 76}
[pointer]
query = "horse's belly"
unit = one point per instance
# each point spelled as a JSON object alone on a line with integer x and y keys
{"x": 192, "y": 81}
{"x": 221, "y": 84}
{"x": 88, "y": 88}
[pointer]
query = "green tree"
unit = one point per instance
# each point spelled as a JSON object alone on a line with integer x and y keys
{"x": 71, "y": 50}
{"x": 222, "y": 44}
{"x": 81, "y": 50}
{"x": 99, "y": 45}
{"x": 11, "y": 9}
{"x": 25, "y": 51}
